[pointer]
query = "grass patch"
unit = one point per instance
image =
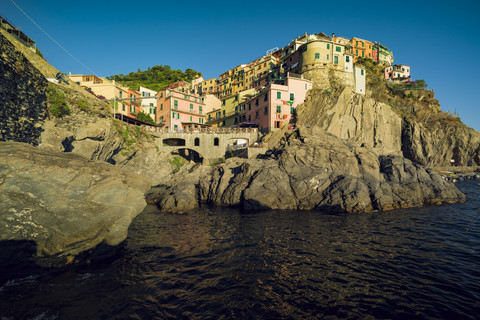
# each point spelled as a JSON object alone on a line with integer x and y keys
{"x": 177, "y": 163}
{"x": 57, "y": 102}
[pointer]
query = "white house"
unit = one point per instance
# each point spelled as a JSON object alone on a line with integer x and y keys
{"x": 360, "y": 79}
{"x": 149, "y": 105}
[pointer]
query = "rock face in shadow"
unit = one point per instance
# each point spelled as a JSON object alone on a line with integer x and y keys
{"x": 64, "y": 203}
{"x": 312, "y": 169}
{"x": 22, "y": 96}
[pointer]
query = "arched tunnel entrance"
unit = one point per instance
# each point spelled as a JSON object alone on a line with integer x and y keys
{"x": 188, "y": 154}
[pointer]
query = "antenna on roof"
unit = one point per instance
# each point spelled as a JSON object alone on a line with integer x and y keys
{"x": 270, "y": 51}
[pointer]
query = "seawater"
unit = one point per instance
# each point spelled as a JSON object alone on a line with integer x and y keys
{"x": 219, "y": 263}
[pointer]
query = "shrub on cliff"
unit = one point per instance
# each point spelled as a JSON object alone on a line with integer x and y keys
{"x": 57, "y": 103}
{"x": 142, "y": 116}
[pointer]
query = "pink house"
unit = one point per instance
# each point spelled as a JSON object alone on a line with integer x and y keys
{"x": 274, "y": 106}
{"x": 397, "y": 72}
{"x": 180, "y": 111}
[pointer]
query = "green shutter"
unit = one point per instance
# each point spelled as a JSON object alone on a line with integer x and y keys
{"x": 292, "y": 96}
{"x": 338, "y": 49}
{"x": 191, "y": 106}
{"x": 317, "y": 55}
{"x": 279, "y": 95}
{"x": 328, "y": 45}
{"x": 279, "y": 109}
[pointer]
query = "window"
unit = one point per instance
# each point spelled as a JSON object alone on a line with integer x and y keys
{"x": 256, "y": 114}
{"x": 161, "y": 107}
{"x": 266, "y": 97}
{"x": 292, "y": 96}
{"x": 223, "y": 111}
{"x": 190, "y": 118}
{"x": 369, "y": 47}
{"x": 161, "y": 94}
{"x": 236, "y": 98}
{"x": 216, "y": 141}
{"x": 356, "y": 52}
{"x": 223, "y": 102}
{"x": 175, "y": 127}
{"x": 191, "y": 106}
{"x": 338, "y": 49}
{"x": 317, "y": 55}
{"x": 356, "y": 43}
{"x": 363, "y": 54}
{"x": 347, "y": 58}
{"x": 200, "y": 109}
{"x": 151, "y": 104}
{"x": 120, "y": 94}
{"x": 279, "y": 109}
{"x": 292, "y": 110}
{"x": 249, "y": 106}
{"x": 328, "y": 45}
{"x": 249, "y": 117}
{"x": 335, "y": 59}
{"x": 265, "y": 110}
{"x": 256, "y": 102}
{"x": 328, "y": 57}
{"x": 123, "y": 107}
{"x": 200, "y": 120}
{"x": 175, "y": 104}
{"x": 361, "y": 72}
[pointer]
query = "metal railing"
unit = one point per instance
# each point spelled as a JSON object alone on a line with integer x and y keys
{"x": 200, "y": 130}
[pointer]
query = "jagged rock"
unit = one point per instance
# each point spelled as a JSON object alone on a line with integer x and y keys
{"x": 63, "y": 203}
{"x": 314, "y": 170}
{"x": 353, "y": 117}
{"x": 437, "y": 144}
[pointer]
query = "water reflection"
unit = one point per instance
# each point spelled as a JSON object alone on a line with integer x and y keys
{"x": 217, "y": 263}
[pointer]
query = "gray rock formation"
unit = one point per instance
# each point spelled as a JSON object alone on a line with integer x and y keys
{"x": 353, "y": 117}
{"x": 65, "y": 204}
{"x": 435, "y": 144}
{"x": 314, "y": 170}
{"x": 22, "y": 96}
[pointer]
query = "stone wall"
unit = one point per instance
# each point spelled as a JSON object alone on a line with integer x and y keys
{"x": 323, "y": 77}
{"x": 22, "y": 96}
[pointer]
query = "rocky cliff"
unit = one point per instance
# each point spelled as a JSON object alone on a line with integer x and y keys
{"x": 309, "y": 170}
{"x": 401, "y": 122}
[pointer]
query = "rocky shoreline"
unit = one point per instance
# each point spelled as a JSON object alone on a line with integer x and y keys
{"x": 310, "y": 170}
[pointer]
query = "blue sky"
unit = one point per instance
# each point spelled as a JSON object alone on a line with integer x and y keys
{"x": 438, "y": 39}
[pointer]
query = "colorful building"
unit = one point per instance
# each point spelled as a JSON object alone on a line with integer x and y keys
{"x": 106, "y": 88}
{"x": 397, "y": 73}
{"x": 274, "y": 106}
{"x": 149, "y": 105}
{"x": 181, "y": 110}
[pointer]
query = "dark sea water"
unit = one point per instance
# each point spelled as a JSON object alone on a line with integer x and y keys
{"x": 217, "y": 263}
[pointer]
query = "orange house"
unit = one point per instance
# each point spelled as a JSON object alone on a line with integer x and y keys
{"x": 362, "y": 48}
{"x": 134, "y": 104}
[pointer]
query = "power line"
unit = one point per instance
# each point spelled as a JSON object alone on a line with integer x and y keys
{"x": 45, "y": 32}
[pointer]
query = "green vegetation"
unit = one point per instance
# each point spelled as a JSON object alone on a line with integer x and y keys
{"x": 155, "y": 78}
{"x": 177, "y": 163}
{"x": 142, "y": 116}
{"x": 82, "y": 104}
{"x": 56, "y": 101}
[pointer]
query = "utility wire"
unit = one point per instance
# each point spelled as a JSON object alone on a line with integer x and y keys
{"x": 45, "y": 32}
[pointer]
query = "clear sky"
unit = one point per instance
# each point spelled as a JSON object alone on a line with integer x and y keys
{"x": 440, "y": 40}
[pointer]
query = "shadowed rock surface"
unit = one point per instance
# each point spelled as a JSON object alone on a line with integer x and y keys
{"x": 64, "y": 203}
{"x": 313, "y": 170}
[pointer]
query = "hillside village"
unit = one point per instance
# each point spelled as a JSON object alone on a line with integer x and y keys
{"x": 263, "y": 93}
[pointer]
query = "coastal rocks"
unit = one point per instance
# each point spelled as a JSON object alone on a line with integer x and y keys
{"x": 353, "y": 117}
{"x": 314, "y": 170}
{"x": 435, "y": 144}
{"x": 22, "y": 96}
{"x": 64, "y": 204}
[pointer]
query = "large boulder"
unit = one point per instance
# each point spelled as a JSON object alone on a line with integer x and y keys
{"x": 64, "y": 204}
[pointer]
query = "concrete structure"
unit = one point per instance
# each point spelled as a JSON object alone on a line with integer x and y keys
{"x": 398, "y": 72}
{"x": 149, "y": 105}
{"x": 360, "y": 79}
{"x": 209, "y": 145}
{"x": 274, "y": 106}
{"x": 180, "y": 110}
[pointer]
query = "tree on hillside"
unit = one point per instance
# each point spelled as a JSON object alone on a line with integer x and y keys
{"x": 156, "y": 77}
